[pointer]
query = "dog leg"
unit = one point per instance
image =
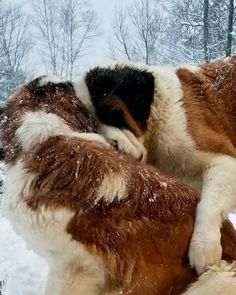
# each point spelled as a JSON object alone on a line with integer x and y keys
{"x": 217, "y": 200}
{"x": 217, "y": 280}
{"x": 53, "y": 283}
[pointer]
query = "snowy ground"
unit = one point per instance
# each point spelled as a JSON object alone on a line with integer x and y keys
{"x": 23, "y": 272}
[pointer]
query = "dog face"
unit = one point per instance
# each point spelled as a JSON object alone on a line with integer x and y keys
{"x": 121, "y": 96}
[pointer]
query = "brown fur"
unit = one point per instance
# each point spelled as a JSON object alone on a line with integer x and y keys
{"x": 209, "y": 101}
{"x": 210, "y": 104}
{"x": 143, "y": 239}
{"x": 114, "y": 102}
{"x": 30, "y": 98}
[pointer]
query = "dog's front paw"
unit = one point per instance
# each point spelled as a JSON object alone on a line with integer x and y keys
{"x": 205, "y": 250}
{"x": 125, "y": 141}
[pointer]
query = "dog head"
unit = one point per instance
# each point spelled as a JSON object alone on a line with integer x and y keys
{"x": 120, "y": 96}
{"x": 43, "y": 108}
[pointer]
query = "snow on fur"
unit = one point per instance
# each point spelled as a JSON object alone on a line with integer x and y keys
{"x": 22, "y": 271}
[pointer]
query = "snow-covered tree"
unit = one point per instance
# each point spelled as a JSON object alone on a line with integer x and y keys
{"x": 218, "y": 27}
{"x": 15, "y": 45}
{"x": 198, "y": 29}
{"x": 10, "y": 80}
{"x": 183, "y": 31}
{"x": 64, "y": 29}
{"x": 138, "y": 30}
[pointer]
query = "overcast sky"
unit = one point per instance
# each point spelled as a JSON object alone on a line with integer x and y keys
{"x": 99, "y": 50}
{"x": 105, "y": 10}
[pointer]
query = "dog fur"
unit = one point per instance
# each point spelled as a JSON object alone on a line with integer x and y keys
{"x": 187, "y": 129}
{"x": 105, "y": 223}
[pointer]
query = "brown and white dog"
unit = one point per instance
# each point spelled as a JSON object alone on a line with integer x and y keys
{"x": 184, "y": 118}
{"x": 105, "y": 223}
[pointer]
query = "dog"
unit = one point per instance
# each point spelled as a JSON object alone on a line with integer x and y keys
{"x": 106, "y": 223}
{"x": 183, "y": 120}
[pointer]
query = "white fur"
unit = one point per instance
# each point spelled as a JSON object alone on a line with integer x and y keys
{"x": 175, "y": 153}
{"x": 45, "y": 231}
{"x": 44, "y": 80}
{"x": 174, "y": 147}
{"x": 191, "y": 68}
{"x": 218, "y": 199}
{"x": 90, "y": 137}
{"x": 72, "y": 269}
{"x": 73, "y": 277}
{"x": 227, "y": 59}
{"x": 141, "y": 152}
{"x": 126, "y": 141}
{"x": 39, "y": 126}
{"x": 113, "y": 188}
{"x": 216, "y": 281}
{"x": 82, "y": 92}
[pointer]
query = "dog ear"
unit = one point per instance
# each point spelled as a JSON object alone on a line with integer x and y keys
{"x": 122, "y": 96}
{"x": 115, "y": 112}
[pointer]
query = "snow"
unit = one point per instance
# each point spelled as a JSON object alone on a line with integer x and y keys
{"x": 232, "y": 217}
{"x": 22, "y": 272}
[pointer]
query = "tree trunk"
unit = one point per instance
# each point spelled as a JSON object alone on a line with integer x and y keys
{"x": 206, "y": 30}
{"x": 230, "y": 28}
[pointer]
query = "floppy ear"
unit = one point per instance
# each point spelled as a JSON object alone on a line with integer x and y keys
{"x": 115, "y": 112}
{"x": 122, "y": 96}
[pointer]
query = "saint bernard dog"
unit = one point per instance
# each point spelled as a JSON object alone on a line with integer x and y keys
{"x": 106, "y": 223}
{"x": 183, "y": 119}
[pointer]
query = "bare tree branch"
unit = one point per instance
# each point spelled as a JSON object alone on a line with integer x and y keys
{"x": 15, "y": 42}
{"x": 15, "y": 45}
{"x": 65, "y": 29}
{"x": 137, "y": 31}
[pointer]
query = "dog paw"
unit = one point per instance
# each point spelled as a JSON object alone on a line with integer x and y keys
{"x": 140, "y": 151}
{"x": 125, "y": 141}
{"x": 205, "y": 250}
{"x": 223, "y": 266}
